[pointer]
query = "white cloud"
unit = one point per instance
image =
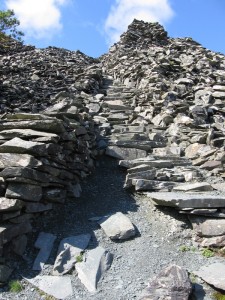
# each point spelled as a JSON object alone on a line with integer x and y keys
{"x": 124, "y": 11}
{"x": 38, "y": 18}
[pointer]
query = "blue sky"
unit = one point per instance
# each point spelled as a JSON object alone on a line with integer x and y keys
{"x": 91, "y": 26}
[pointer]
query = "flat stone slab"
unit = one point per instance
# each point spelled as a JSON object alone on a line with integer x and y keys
{"x": 189, "y": 200}
{"x": 69, "y": 249}
{"x": 170, "y": 284}
{"x": 194, "y": 187}
{"x": 208, "y": 227}
{"x": 17, "y": 145}
{"x": 45, "y": 243}
{"x": 18, "y": 160}
{"x": 213, "y": 274}
{"x": 24, "y": 191}
{"x": 96, "y": 263}
{"x": 125, "y": 153}
{"x": 56, "y": 286}
{"x": 26, "y": 133}
{"x": 9, "y": 205}
{"x": 151, "y": 185}
{"x": 117, "y": 226}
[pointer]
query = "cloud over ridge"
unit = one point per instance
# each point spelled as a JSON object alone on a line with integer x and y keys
{"x": 124, "y": 11}
{"x": 38, "y": 18}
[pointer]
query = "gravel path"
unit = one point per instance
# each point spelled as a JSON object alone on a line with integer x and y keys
{"x": 160, "y": 233}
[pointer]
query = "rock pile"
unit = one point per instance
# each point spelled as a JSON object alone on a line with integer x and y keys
{"x": 165, "y": 106}
{"x": 48, "y": 140}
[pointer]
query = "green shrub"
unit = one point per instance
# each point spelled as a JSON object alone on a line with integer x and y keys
{"x": 15, "y": 286}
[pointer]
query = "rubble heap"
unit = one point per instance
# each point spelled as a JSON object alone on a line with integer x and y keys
{"x": 165, "y": 104}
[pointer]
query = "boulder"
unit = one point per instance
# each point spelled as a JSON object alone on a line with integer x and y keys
{"x": 117, "y": 226}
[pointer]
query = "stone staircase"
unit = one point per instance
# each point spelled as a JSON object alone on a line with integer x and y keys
{"x": 154, "y": 165}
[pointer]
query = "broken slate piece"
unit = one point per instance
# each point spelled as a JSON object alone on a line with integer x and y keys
{"x": 90, "y": 271}
{"x": 5, "y": 272}
{"x": 56, "y": 286}
{"x": 69, "y": 249}
{"x": 213, "y": 274}
{"x": 117, "y": 226}
{"x": 187, "y": 200}
{"x": 171, "y": 283}
{"x": 44, "y": 242}
{"x": 194, "y": 187}
{"x": 207, "y": 227}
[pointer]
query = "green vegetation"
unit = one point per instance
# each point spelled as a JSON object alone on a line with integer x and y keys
{"x": 218, "y": 296}
{"x": 193, "y": 278}
{"x": 8, "y": 26}
{"x": 207, "y": 253}
{"x": 15, "y": 286}
{"x": 184, "y": 248}
{"x": 79, "y": 258}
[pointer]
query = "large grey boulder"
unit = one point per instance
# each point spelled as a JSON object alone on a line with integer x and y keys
{"x": 68, "y": 251}
{"x": 213, "y": 274}
{"x": 93, "y": 267}
{"x": 117, "y": 226}
{"x": 170, "y": 284}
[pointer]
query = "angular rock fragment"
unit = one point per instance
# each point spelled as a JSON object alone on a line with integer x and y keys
{"x": 187, "y": 200}
{"x": 208, "y": 227}
{"x": 68, "y": 251}
{"x": 44, "y": 242}
{"x": 17, "y": 145}
{"x": 5, "y": 273}
{"x": 18, "y": 160}
{"x": 9, "y": 205}
{"x": 125, "y": 153}
{"x": 213, "y": 274}
{"x": 55, "y": 286}
{"x": 194, "y": 187}
{"x": 97, "y": 262}
{"x": 171, "y": 283}
{"x": 117, "y": 226}
{"x": 27, "y": 192}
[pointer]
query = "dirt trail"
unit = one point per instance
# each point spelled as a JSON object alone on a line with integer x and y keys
{"x": 160, "y": 233}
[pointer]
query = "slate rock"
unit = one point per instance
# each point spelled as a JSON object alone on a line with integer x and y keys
{"x": 208, "y": 227}
{"x": 5, "y": 273}
{"x": 170, "y": 284}
{"x": 56, "y": 286}
{"x": 90, "y": 271}
{"x": 69, "y": 249}
{"x": 117, "y": 226}
{"x": 45, "y": 243}
{"x": 17, "y": 145}
{"x": 194, "y": 187}
{"x": 10, "y": 205}
{"x": 19, "y": 244}
{"x": 27, "y": 192}
{"x": 125, "y": 153}
{"x": 18, "y": 160}
{"x": 187, "y": 200}
{"x": 213, "y": 274}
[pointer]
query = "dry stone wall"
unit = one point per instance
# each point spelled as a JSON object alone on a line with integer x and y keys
{"x": 48, "y": 139}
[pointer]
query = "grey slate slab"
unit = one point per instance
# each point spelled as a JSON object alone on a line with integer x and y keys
{"x": 90, "y": 271}
{"x": 56, "y": 286}
{"x": 213, "y": 274}
{"x": 45, "y": 243}
{"x": 189, "y": 200}
{"x": 69, "y": 249}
